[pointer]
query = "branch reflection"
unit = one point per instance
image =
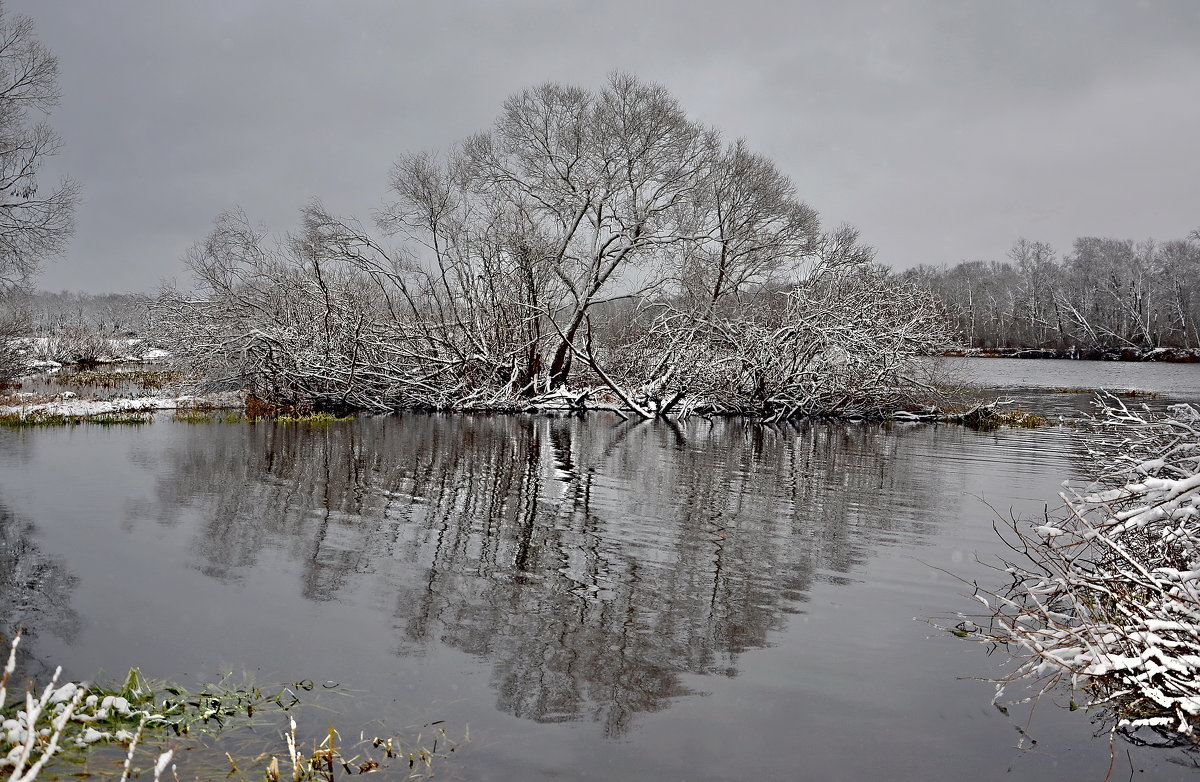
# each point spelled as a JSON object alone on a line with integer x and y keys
{"x": 36, "y": 590}
{"x": 593, "y": 562}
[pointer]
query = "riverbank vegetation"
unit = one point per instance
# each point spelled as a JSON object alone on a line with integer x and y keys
{"x": 43, "y": 418}
{"x": 40, "y": 329}
{"x": 222, "y": 730}
{"x": 589, "y": 250}
{"x": 1104, "y": 597}
{"x": 1106, "y": 298}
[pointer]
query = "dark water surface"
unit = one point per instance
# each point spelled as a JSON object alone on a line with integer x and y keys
{"x": 1175, "y": 380}
{"x": 591, "y": 598}
{"x": 1040, "y": 383}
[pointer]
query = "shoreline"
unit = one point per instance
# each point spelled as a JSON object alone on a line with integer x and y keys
{"x": 1159, "y": 355}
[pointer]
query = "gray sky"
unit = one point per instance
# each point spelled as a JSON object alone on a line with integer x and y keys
{"x": 942, "y": 130}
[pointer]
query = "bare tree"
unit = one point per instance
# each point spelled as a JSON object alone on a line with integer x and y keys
{"x": 590, "y": 248}
{"x": 842, "y": 338}
{"x": 35, "y": 221}
{"x": 565, "y": 200}
{"x": 14, "y": 325}
{"x": 757, "y": 229}
{"x": 1105, "y": 296}
{"x": 1037, "y": 314}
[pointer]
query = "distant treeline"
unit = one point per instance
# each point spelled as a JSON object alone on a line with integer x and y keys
{"x": 46, "y": 313}
{"x": 1104, "y": 295}
{"x": 66, "y": 327}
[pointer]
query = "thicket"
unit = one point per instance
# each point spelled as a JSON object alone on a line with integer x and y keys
{"x": 590, "y": 249}
{"x": 1103, "y": 295}
{"x": 68, "y": 328}
{"x": 1105, "y": 597}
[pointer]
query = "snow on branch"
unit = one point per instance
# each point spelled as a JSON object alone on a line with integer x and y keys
{"x": 1105, "y": 597}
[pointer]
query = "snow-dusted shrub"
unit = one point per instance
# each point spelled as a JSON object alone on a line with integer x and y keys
{"x": 74, "y": 344}
{"x": 843, "y": 340}
{"x": 1106, "y": 598}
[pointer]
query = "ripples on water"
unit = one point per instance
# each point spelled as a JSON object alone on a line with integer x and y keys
{"x": 596, "y": 599}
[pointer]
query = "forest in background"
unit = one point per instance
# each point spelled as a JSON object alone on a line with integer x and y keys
{"x": 1103, "y": 296}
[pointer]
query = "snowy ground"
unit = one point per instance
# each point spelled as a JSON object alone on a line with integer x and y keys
{"x": 85, "y": 402}
{"x": 68, "y": 404}
{"x": 40, "y": 350}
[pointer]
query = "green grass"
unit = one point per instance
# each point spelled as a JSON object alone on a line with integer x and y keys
{"x": 120, "y": 418}
{"x": 1022, "y": 419}
{"x": 45, "y": 419}
{"x": 1132, "y": 393}
{"x": 226, "y": 731}
{"x": 988, "y": 418}
{"x": 312, "y": 419}
{"x": 190, "y": 415}
{"x": 196, "y": 416}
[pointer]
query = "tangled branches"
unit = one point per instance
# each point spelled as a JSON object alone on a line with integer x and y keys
{"x": 1107, "y": 597}
{"x": 590, "y": 248}
{"x": 330, "y": 320}
{"x": 844, "y": 341}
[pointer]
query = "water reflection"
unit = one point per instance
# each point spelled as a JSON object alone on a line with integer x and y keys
{"x": 36, "y": 589}
{"x": 592, "y": 562}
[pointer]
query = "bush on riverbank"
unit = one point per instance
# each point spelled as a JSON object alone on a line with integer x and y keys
{"x": 1105, "y": 598}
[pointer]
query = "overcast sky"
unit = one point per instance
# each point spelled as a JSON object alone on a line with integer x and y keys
{"x": 942, "y": 130}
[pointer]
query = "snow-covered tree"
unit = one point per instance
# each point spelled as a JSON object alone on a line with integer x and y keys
{"x": 589, "y": 244}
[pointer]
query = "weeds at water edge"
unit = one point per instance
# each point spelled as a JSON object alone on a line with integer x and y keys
{"x": 1132, "y": 393}
{"x": 196, "y": 416}
{"x": 39, "y": 418}
{"x": 121, "y": 731}
{"x": 145, "y": 379}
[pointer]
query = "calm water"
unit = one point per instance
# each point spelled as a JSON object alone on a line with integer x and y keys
{"x": 593, "y": 599}
{"x": 1178, "y": 380}
{"x": 1031, "y": 382}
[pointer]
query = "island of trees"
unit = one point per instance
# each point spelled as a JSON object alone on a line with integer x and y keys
{"x": 590, "y": 249}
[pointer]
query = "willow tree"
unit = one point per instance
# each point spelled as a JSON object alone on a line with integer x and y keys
{"x": 572, "y": 198}
{"x": 35, "y": 221}
{"x": 588, "y": 243}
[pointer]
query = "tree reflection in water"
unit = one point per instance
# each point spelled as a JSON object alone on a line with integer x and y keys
{"x": 35, "y": 591}
{"x": 593, "y": 562}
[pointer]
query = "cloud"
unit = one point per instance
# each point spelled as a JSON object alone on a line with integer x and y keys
{"x": 943, "y": 130}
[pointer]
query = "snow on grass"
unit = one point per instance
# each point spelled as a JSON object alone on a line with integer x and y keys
{"x": 73, "y": 406}
{"x": 70, "y": 405}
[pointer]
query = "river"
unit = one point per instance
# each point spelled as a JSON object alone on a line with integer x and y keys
{"x": 586, "y": 598}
